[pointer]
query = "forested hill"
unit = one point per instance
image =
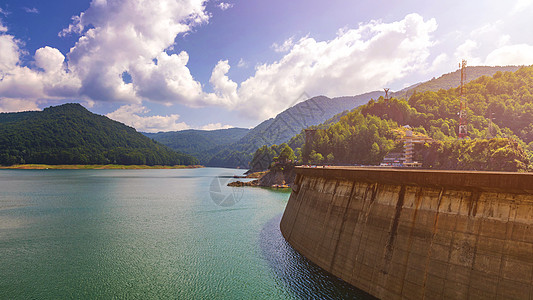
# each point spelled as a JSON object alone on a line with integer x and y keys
{"x": 317, "y": 110}
{"x": 70, "y": 134}
{"x": 284, "y": 126}
{"x": 500, "y": 127}
{"x": 452, "y": 80}
{"x": 202, "y": 144}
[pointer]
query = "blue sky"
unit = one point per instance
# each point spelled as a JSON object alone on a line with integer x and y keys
{"x": 178, "y": 64}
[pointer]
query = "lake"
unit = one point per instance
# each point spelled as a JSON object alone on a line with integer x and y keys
{"x": 155, "y": 234}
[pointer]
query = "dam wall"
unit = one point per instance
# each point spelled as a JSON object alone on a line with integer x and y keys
{"x": 416, "y": 234}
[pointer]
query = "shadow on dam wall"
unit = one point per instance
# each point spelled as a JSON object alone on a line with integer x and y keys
{"x": 416, "y": 234}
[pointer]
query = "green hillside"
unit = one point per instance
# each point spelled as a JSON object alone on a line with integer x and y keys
{"x": 284, "y": 126}
{"x": 451, "y": 80}
{"x": 367, "y": 134}
{"x": 319, "y": 110}
{"x": 70, "y": 134}
{"x": 202, "y": 144}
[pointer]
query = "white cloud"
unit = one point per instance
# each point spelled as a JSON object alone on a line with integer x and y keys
{"x": 466, "y": 51}
{"x": 32, "y": 10}
{"x": 10, "y": 53}
{"x": 225, "y": 89}
{"x": 20, "y": 82}
{"x": 128, "y": 36}
{"x": 491, "y": 45}
{"x": 135, "y": 115}
{"x": 356, "y": 61}
{"x": 520, "y": 6}
{"x": 123, "y": 36}
{"x": 224, "y": 5}
{"x": 135, "y": 37}
{"x": 521, "y": 54}
{"x": 167, "y": 81}
{"x": 132, "y": 115}
{"x": 20, "y": 85}
{"x": 285, "y": 46}
{"x": 3, "y": 28}
{"x": 116, "y": 37}
{"x": 16, "y": 105}
{"x": 440, "y": 61}
{"x": 49, "y": 59}
{"x": 75, "y": 27}
{"x": 215, "y": 126}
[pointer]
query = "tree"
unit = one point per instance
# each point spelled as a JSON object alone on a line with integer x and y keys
{"x": 330, "y": 158}
{"x": 286, "y": 155}
{"x": 316, "y": 158}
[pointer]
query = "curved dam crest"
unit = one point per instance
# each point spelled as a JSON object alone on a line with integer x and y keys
{"x": 415, "y": 234}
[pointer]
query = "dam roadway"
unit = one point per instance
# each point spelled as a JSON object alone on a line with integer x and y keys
{"x": 416, "y": 234}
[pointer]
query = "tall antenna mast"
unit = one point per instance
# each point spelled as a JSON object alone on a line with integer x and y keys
{"x": 462, "y": 113}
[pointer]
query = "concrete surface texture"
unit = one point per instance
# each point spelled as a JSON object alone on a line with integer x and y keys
{"x": 413, "y": 234}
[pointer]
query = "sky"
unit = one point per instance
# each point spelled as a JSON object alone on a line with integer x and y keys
{"x": 166, "y": 65}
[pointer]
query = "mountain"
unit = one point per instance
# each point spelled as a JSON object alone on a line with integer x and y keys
{"x": 322, "y": 109}
{"x": 284, "y": 126}
{"x": 290, "y": 122}
{"x": 70, "y": 134}
{"x": 202, "y": 144}
{"x": 451, "y": 80}
{"x": 499, "y": 120}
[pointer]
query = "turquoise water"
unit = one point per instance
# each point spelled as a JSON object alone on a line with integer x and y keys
{"x": 154, "y": 234}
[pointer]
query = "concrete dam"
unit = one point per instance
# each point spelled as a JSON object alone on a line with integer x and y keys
{"x": 416, "y": 234}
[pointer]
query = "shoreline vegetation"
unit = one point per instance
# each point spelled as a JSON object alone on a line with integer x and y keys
{"x": 94, "y": 167}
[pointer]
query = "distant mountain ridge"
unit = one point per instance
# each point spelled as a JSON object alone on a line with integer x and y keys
{"x": 285, "y": 125}
{"x": 313, "y": 111}
{"x": 70, "y": 134}
{"x": 452, "y": 80}
{"x": 202, "y": 144}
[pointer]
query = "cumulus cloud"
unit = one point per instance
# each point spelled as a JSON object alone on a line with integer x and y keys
{"x": 225, "y": 89}
{"x": 130, "y": 36}
{"x": 285, "y": 46}
{"x": 467, "y": 50}
{"x": 215, "y": 126}
{"x": 134, "y": 115}
{"x": 20, "y": 82}
{"x": 356, "y": 61}
{"x": 16, "y": 105}
{"x": 115, "y": 37}
{"x": 167, "y": 81}
{"x": 120, "y": 36}
{"x": 224, "y": 5}
{"x": 520, "y": 6}
{"x": 21, "y": 85}
{"x": 490, "y": 45}
{"x": 10, "y": 53}
{"x": 3, "y": 28}
{"x": 521, "y": 54}
{"x": 136, "y": 38}
{"x": 49, "y": 59}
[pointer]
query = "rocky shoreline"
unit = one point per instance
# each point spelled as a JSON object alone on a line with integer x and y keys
{"x": 272, "y": 179}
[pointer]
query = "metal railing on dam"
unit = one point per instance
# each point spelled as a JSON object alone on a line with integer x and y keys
{"x": 415, "y": 234}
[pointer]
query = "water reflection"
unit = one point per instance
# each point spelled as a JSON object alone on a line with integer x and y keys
{"x": 305, "y": 279}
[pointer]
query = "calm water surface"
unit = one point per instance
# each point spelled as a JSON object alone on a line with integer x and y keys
{"x": 149, "y": 234}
